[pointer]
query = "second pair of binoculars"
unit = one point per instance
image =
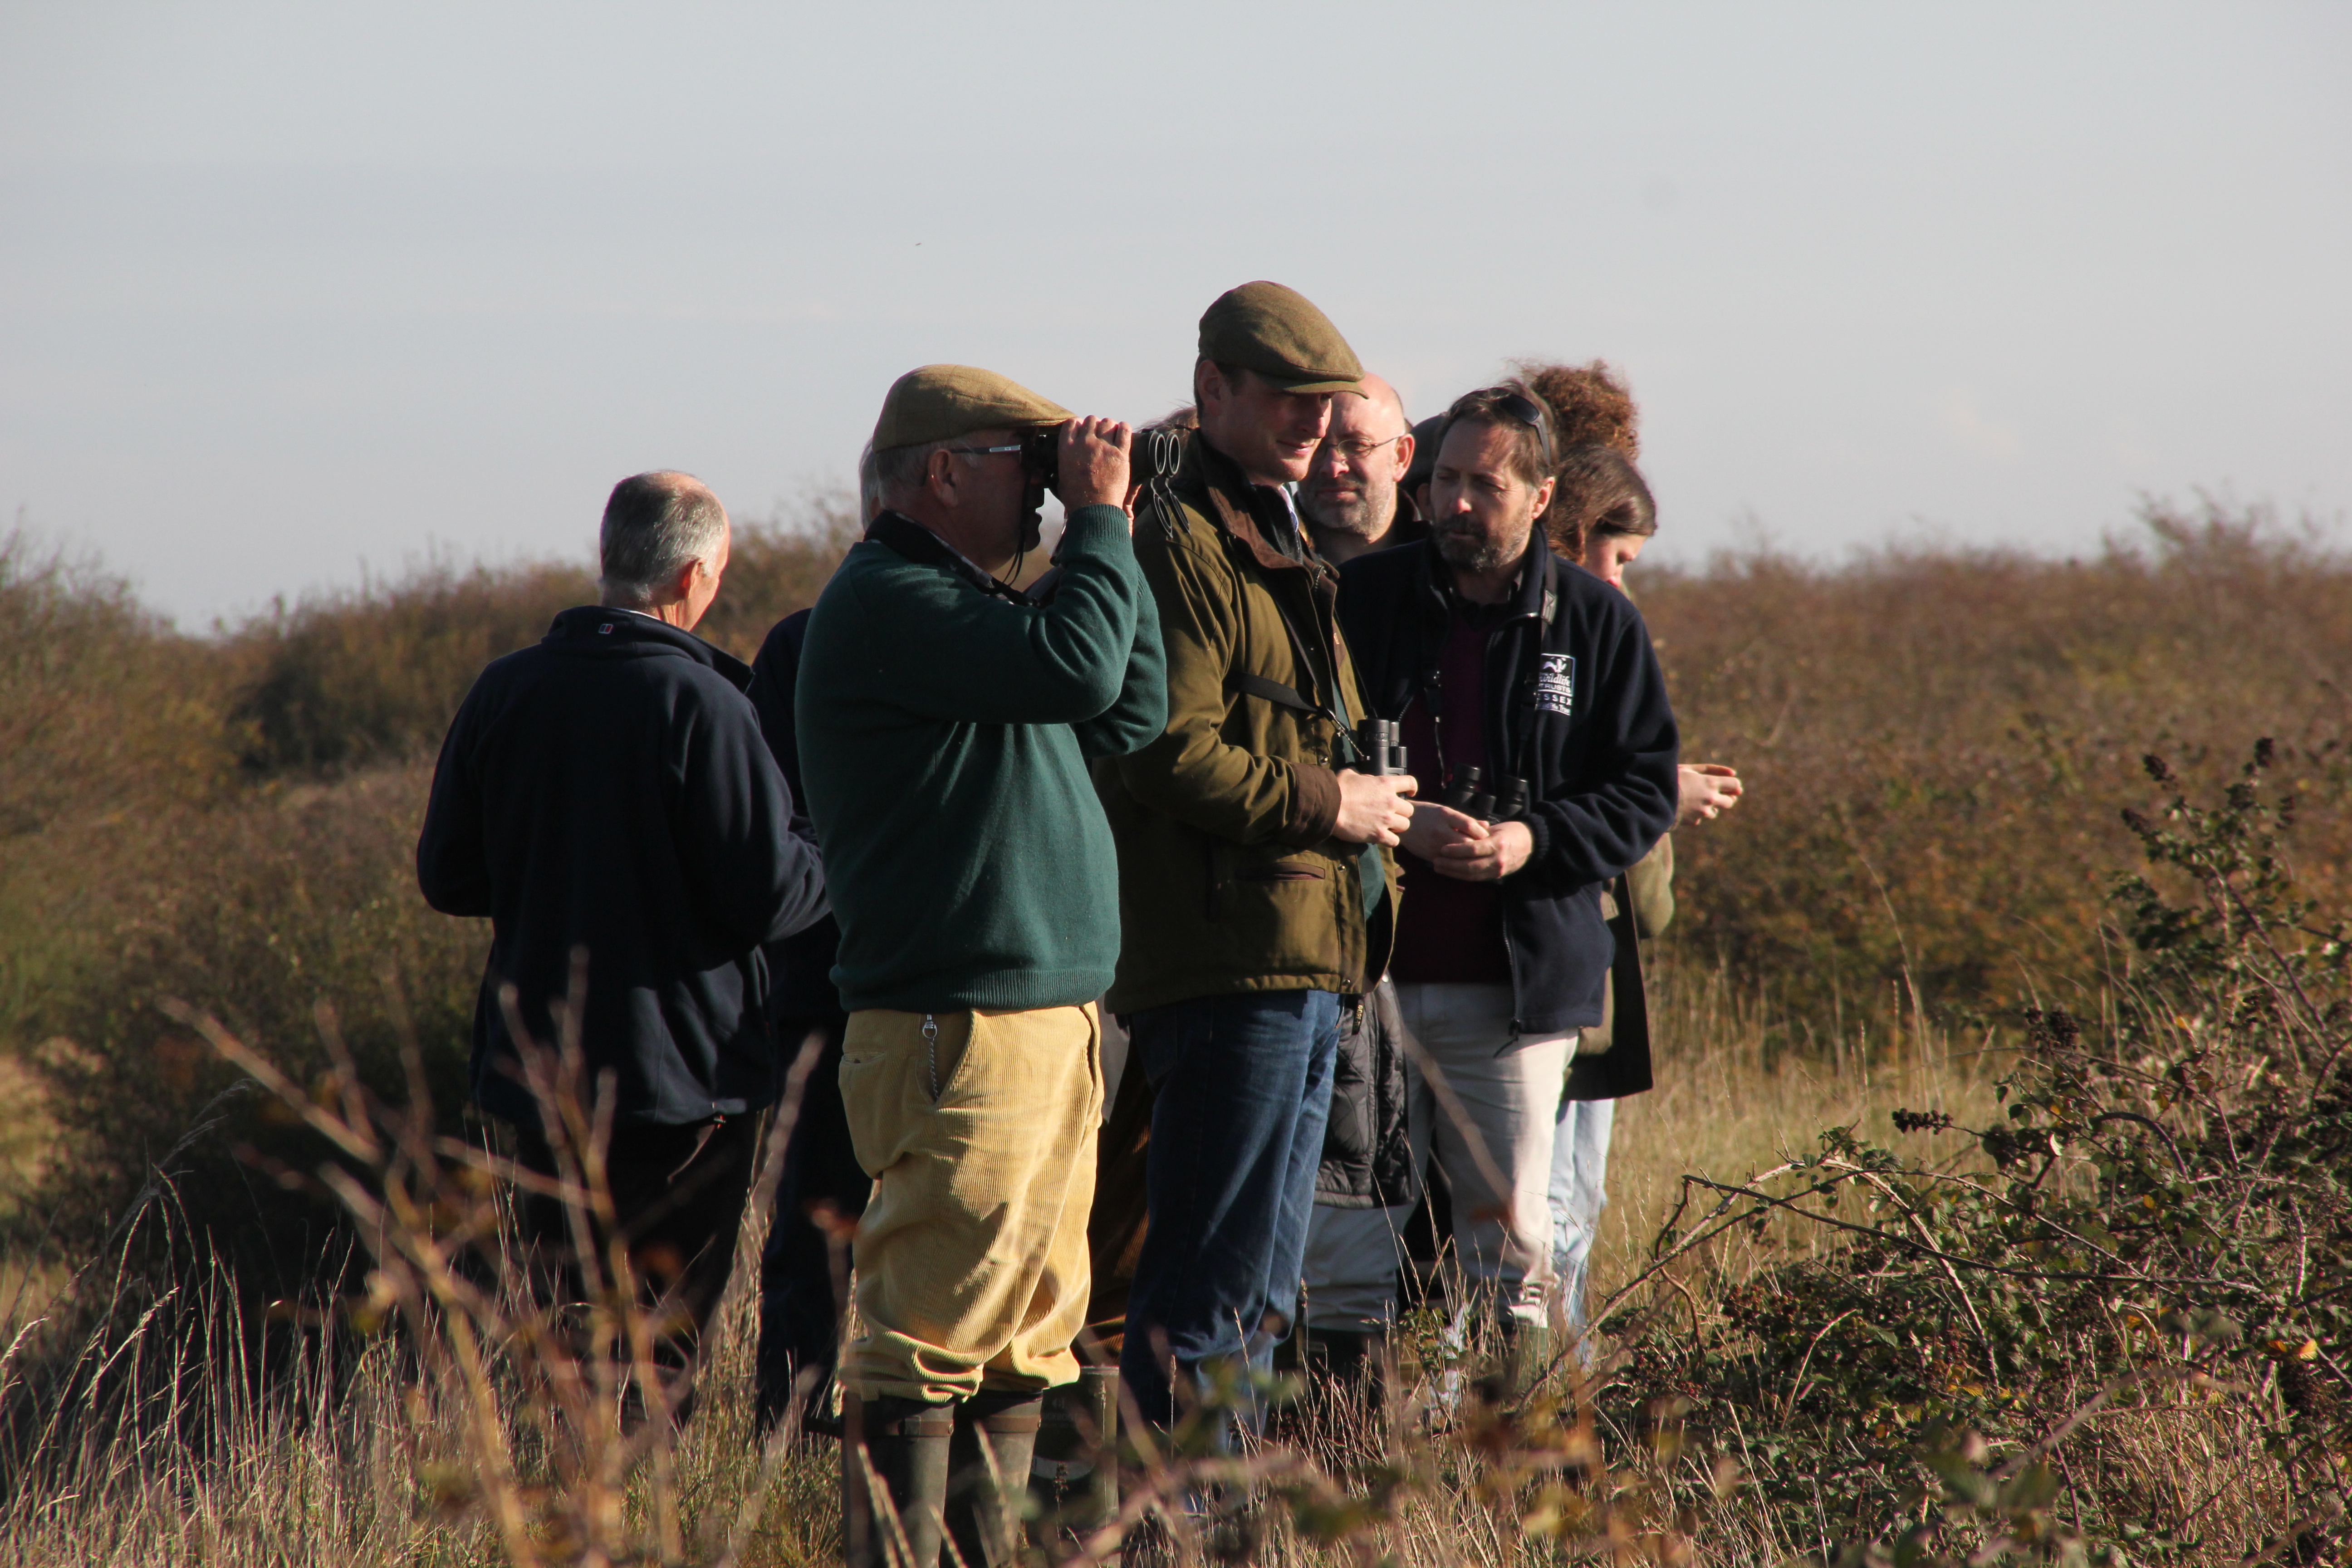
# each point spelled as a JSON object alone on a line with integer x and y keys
{"x": 1470, "y": 793}
{"x": 1466, "y": 792}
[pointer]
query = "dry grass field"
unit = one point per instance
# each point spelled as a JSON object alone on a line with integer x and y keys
{"x": 338, "y": 1463}
{"x": 1939, "y": 746}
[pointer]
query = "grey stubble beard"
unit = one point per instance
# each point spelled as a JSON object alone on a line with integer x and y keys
{"x": 1363, "y": 517}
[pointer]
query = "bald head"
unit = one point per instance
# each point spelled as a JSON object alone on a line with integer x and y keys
{"x": 1380, "y": 406}
{"x": 1349, "y": 494}
{"x": 658, "y": 528}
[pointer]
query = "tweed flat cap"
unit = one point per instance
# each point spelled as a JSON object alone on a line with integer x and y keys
{"x": 1278, "y": 334}
{"x": 941, "y": 402}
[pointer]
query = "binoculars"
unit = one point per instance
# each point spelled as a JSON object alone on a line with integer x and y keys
{"x": 1467, "y": 792}
{"x": 1383, "y": 753}
{"x": 1041, "y": 454}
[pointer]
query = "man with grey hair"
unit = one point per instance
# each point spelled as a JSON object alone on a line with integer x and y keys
{"x": 604, "y": 797}
{"x": 944, "y": 718}
{"x": 1351, "y": 497}
{"x": 665, "y": 542}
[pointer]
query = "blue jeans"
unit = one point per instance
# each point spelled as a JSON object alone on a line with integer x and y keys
{"x": 1579, "y": 1176}
{"x": 1244, "y": 1087}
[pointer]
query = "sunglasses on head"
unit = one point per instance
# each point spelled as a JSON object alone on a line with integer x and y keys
{"x": 1528, "y": 411}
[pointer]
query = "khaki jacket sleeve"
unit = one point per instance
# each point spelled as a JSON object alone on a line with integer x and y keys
{"x": 1193, "y": 773}
{"x": 1652, "y": 882}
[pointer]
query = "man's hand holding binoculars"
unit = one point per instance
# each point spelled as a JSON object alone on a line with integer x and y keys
{"x": 1092, "y": 462}
{"x": 1373, "y": 808}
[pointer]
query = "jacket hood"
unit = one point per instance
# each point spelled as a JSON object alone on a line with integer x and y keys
{"x": 597, "y": 631}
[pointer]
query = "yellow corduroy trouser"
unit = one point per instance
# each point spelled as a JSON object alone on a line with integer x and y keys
{"x": 971, "y": 1257}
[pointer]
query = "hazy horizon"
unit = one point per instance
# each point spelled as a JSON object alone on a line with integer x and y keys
{"x": 284, "y": 290}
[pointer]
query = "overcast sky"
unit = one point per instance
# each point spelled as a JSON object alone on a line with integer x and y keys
{"x": 287, "y": 291}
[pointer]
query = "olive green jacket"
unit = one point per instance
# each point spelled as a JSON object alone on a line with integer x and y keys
{"x": 1229, "y": 877}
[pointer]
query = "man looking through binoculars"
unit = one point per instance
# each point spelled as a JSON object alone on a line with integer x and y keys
{"x": 945, "y": 722}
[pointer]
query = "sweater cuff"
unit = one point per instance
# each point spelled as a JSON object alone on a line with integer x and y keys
{"x": 1540, "y": 831}
{"x": 1313, "y": 804}
{"x": 1093, "y": 526}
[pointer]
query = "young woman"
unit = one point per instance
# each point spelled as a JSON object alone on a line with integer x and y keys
{"x": 1601, "y": 517}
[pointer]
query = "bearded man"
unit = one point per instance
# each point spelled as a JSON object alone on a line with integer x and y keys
{"x": 1529, "y": 695}
{"x": 1351, "y": 497}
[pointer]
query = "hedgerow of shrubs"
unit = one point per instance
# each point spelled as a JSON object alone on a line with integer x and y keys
{"x": 2118, "y": 1316}
{"x": 2121, "y": 1315}
{"x": 1933, "y": 742}
{"x": 231, "y": 822}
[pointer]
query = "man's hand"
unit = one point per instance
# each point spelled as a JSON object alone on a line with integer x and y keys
{"x": 1373, "y": 808}
{"x": 1503, "y": 850}
{"x": 1094, "y": 460}
{"x": 1438, "y": 827}
{"x": 1704, "y": 790}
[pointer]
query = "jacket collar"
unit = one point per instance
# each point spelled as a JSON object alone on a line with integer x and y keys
{"x": 1536, "y": 597}
{"x": 910, "y": 539}
{"x": 601, "y": 631}
{"x": 1408, "y": 526}
{"x": 1234, "y": 502}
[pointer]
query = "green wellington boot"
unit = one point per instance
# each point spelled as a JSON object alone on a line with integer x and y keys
{"x": 995, "y": 1441}
{"x": 1530, "y": 1353}
{"x": 1073, "y": 1479}
{"x": 904, "y": 1444}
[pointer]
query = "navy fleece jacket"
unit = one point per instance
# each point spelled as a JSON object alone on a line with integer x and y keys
{"x": 609, "y": 790}
{"x": 800, "y": 968}
{"x": 1577, "y": 709}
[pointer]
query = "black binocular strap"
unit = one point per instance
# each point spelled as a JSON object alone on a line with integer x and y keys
{"x": 913, "y": 541}
{"x": 1299, "y": 648}
{"x": 1346, "y": 751}
{"x": 1275, "y": 692}
{"x": 1166, "y": 453}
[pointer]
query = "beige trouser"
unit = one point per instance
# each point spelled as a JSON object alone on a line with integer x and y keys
{"x": 1493, "y": 1125}
{"x": 971, "y": 1257}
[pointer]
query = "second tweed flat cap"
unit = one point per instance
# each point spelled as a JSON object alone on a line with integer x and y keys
{"x": 941, "y": 402}
{"x": 1278, "y": 334}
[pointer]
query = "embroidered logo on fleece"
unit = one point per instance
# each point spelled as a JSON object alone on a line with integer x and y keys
{"x": 1556, "y": 683}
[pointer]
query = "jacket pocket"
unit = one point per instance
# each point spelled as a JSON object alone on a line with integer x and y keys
{"x": 1274, "y": 915}
{"x": 1279, "y": 872}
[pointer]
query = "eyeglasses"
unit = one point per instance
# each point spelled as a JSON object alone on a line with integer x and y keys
{"x": 1039, "y": 452}
{"x": 1358, "y": 453}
